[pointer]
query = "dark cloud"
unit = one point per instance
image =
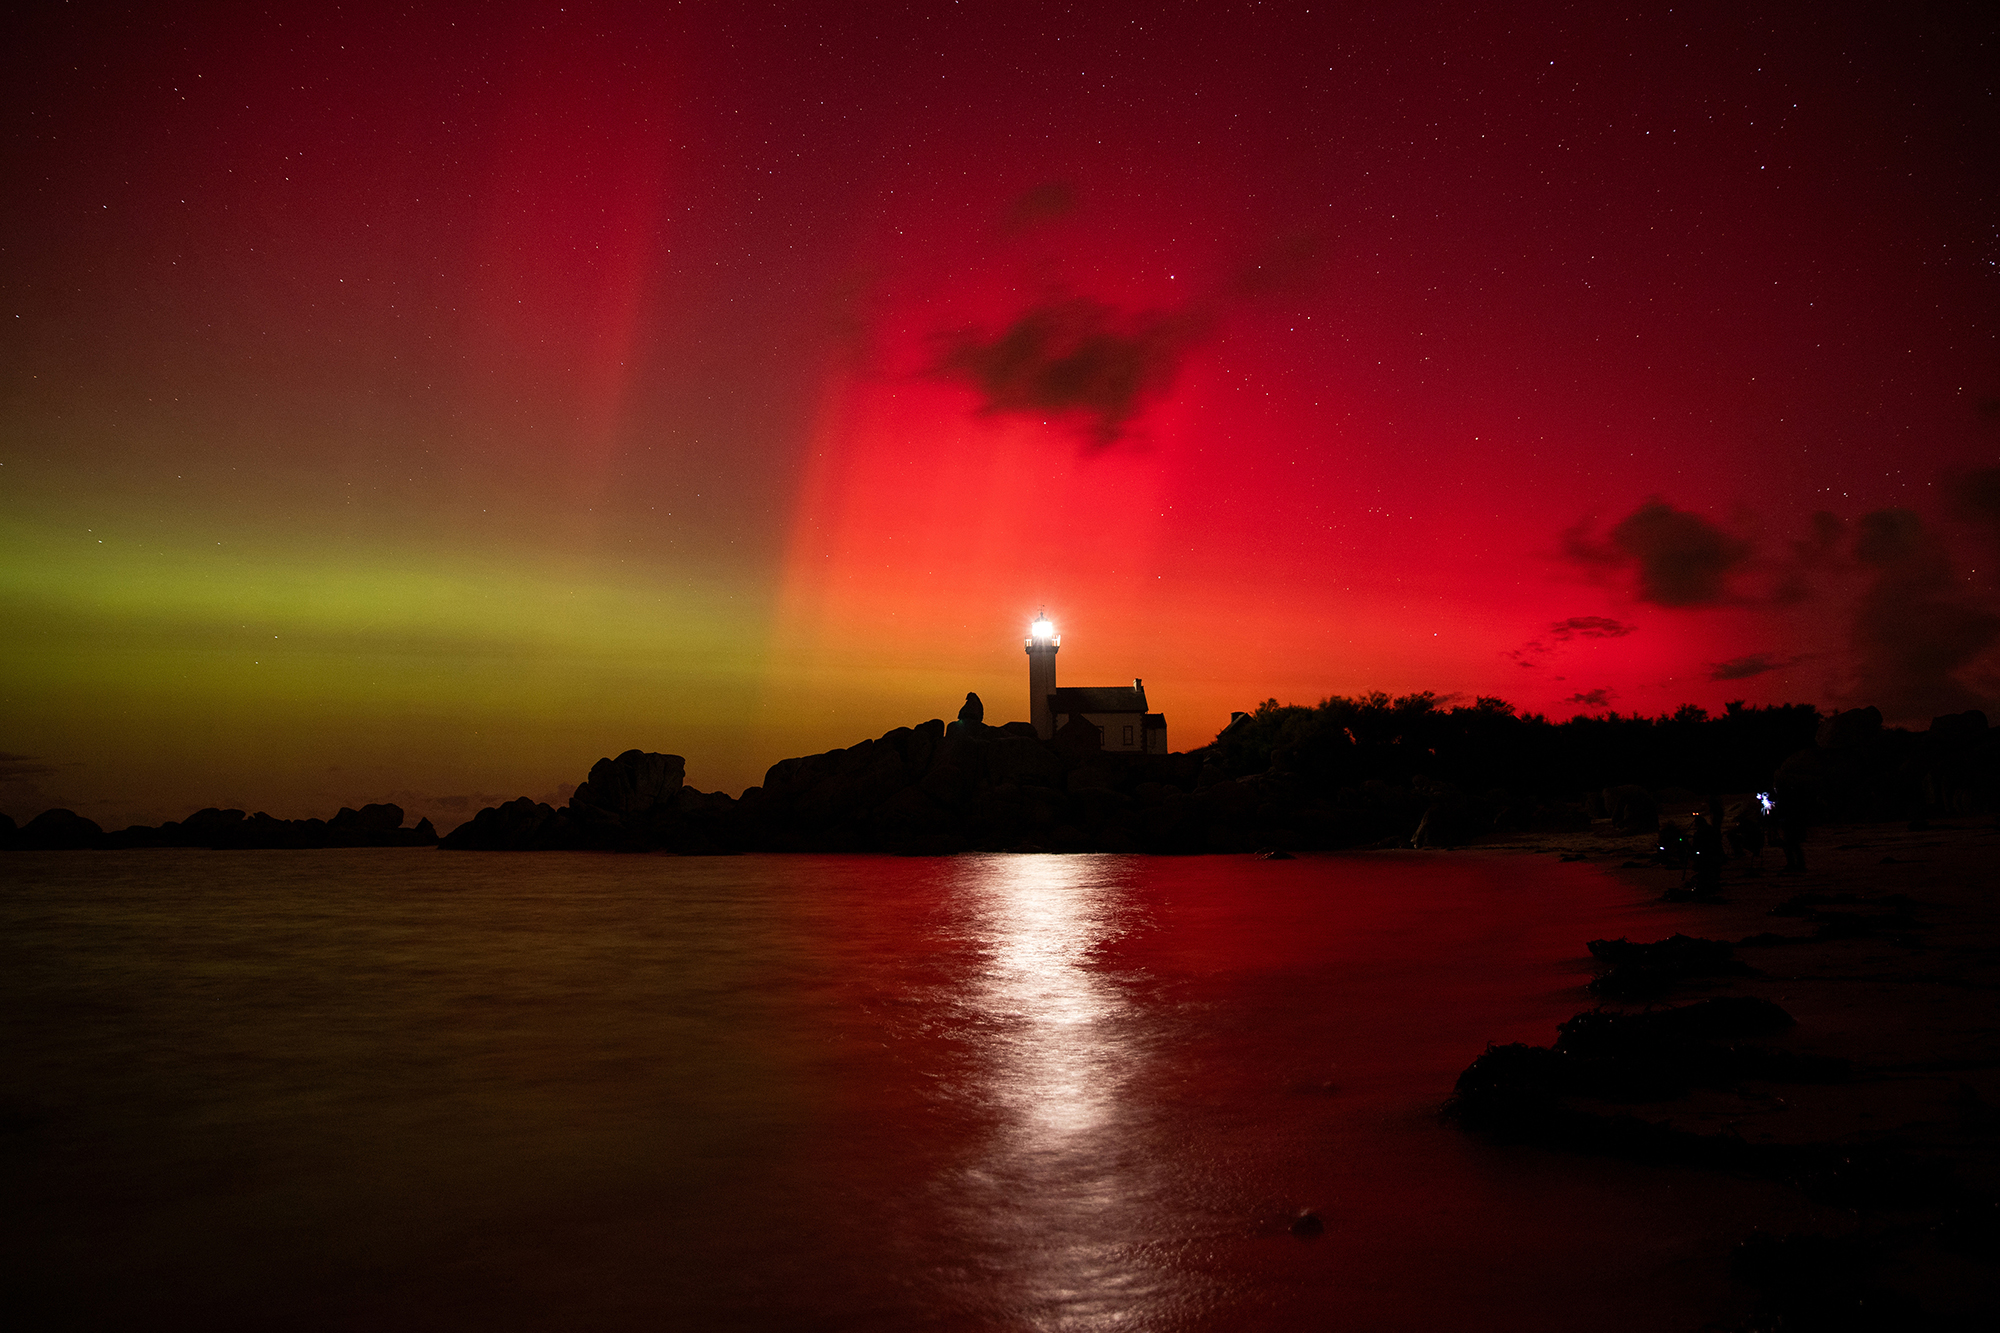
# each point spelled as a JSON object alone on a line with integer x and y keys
{"x": 1563, "y": 631}
{"x": 1796, "y": 572}
{"x": 1592, "y": 698}
{"x": 1681, "y": 558}
{"x": 1748, "y": 665}
{"x": 1076, "y": 358}
{"x": 23, "y": 768}
{"x": 1591, "y": 627}
{"x": 1975, "y": 496}
{"x": 1918, "y": 627}
{"x": 1044, "y": 203}
{"x": 1827, "y": 530}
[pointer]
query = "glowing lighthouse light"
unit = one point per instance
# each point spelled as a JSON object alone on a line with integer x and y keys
{"x": 1042, "y": 647}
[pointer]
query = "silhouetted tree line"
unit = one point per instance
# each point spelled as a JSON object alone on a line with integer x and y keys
{"x": 1343, "y": 741}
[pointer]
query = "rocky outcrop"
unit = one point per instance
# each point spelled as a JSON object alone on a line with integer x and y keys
{"x": 933, "y": 789}
{"x": 636, "y": 802}
{"x": 1632, "y": 809}
{"x": 520, "y": 825}
{"x": 58, "y": 831}
{"x": 228, "y": 830}
{"x": 633, "y": 783}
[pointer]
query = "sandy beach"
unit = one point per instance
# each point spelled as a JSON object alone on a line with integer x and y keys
{"x": 1883, "y": 951}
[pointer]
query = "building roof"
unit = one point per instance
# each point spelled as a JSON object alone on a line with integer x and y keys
{"x": 1099, "y": 699}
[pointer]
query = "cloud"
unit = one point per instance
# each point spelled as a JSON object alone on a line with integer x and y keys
{"x": 1918, "y": 627}
{"x": 1564, "y": 631}
{"x": 1044, "y": 203}
{"x": 1592, "y": 698}
{"x": 1074, "y": 358}
{"x": 23, "y": 768}
{"x": 1748, "y": 665}
{"x": 1793, "y": 581}
{"x": 1591, "y": 627}
{"x": 1681, "y": 558}
{"x": 1975, "y": 496}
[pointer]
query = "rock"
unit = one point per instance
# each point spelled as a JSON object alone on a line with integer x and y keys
{"x": 1307, "y": 1225}
{"x": 58, "y": 830}
{"x": 518, "y": 825}
{"x": 1632, "y": 809}
{"x": 1024, "y": 761}
{"x": 1643, "y": 970}
{"x": 382, "y": 818}
{"x": 1851, "y": 730}
{"x": 973, "y": 710}
{"x": 633, "y": 783}
{"x": 1970, "y": 724}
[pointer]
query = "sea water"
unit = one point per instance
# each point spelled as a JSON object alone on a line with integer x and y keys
{"x": 412, "y": 1089}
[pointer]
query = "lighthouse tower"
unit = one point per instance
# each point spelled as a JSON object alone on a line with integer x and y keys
{"x": 1043, "y": 641}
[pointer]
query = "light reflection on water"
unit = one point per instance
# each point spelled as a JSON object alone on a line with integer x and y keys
{"x": 1057, "y": 1186}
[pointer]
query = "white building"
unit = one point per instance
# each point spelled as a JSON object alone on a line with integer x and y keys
{"x": 1117, "y": 711}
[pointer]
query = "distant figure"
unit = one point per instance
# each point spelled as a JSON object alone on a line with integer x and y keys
{"x": 1746, "y": 833}
{"x": 974, "y": 711}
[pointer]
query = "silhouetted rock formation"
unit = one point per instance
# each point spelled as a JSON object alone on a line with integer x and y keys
{"x": 1644, "y": 971}
{"x": 636, "y": 802}
{"x": 1367, "y": 772}
{"x": 58, "y": 830}
{"x": 633, "y": 783}
{"x": 1567, "y": 1095}
{"x": 370, "y": 826}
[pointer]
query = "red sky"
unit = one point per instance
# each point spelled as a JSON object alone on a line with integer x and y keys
{"x": 423, "y": 406}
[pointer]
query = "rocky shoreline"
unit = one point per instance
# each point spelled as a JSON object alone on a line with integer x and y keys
{"x": 221, "y": 830}
{"x": 1372, "y": 772}
{"x": 937, "y": 790}
{"x": 1837, "y": 1030}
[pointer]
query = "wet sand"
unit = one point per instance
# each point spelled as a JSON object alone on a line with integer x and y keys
{"x": 1888, "y": 957}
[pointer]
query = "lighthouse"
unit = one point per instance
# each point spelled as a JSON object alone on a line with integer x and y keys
{"x": 1043, "y": 641}
{"x": 1118, "y": 712}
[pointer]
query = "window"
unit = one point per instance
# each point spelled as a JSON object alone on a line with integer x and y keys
{"x": 1128, "y": 736}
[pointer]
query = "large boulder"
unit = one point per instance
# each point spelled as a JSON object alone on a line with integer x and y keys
{"x": 518, "y": 825}
{"x": 633, "y": 783}
{"x": 1851, "y": 730}
{"x": 1023, "y": 760}
{"x": 1632, "y": 809}
{"x": 58, "y": 830}
{"x": 382, "y": 818}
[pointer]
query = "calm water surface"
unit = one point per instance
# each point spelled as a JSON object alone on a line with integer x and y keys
{"x": 408, "y": 1089}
